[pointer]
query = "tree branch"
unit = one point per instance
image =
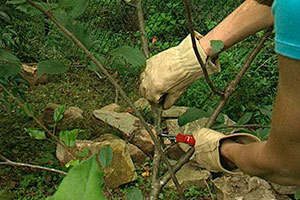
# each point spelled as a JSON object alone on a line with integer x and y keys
{"x": 17, "y": 164}
{"x": 233, "y": 84}
{"x": 157, "y": 144}
{"x": 30, "y": 114}
{"x": 202, "y": 65}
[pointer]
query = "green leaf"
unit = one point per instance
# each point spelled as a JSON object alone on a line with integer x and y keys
{"x": 83, "y": 182}
{"x": 263, "y": 133}
{"x": 79, "y": 8}
{"x": 51, "y": 67}
{"x": 83, "y": 153}
{"x": 77, "y": 29}
{"x": 105, "y": 156}
{"x": 297, "y": 195}
{"x": 244, "y": 119}
{"x": 59, "y": 113}
{"x": 69, "y": 137}
{"x": 72, "y": 163}
{"x": 16, "y": 2}
{"x": 92, "y": 65}
{"x": 9, "y": 64}
{"x": 267, "y": 111}
{"x": 134, "y": 194}
{"x": 37, "y": 134}
{"x": 131, "y": 55}
{"x": 217, "y": 45}
{"x": 74, "y": 7}
{"x": 192, "y": 114}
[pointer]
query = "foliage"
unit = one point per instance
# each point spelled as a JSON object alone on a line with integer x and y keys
{"x": 37, "y": 134}
{"x": 83, "y": 182}
{"x": 134, "y": 194}
{"x": 105, "y": 156}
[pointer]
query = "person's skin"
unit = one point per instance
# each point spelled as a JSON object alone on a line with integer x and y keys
{"x": 278, "y": 159}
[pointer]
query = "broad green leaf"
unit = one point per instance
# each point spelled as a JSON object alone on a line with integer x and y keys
{"x": 131, "y": 55}
{"x": 72, "y": 163}
{"x": 69, "y": 137}
{"x": 51, "y": 67}
{"x": 105, "y": 156}
{"x": 59, "y": 112}
{"x": 92, "y": 65}
{"x": 263, "y": 133}
{"x": 79, "y": 8}
{"x": 9, "y": 69}
{"x": 37, "y": 134}
{"x": 267, "y": 111}
{"x": 244, "y": 119}
{"x": 192, "y": 114}
{"x": 217, "y": 46}
{"x": 83, "y": 153}
{"x": 83, "y": 182}
{"x": 297, "y": 195}
{"x": 134, "y": 194}
{"x": 7, "y": 57}
{"x": 77, "y": 29}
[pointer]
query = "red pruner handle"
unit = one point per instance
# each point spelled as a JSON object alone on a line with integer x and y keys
{"x": 188, "y": 139}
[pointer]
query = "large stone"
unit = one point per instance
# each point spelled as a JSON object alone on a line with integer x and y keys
{"x": 120, "y": 171}
{"x": 126, "y": 123}
{"x": 129, "y": 127}
{"x": 174, "y": 112}
{"x": 242, "y": 187}
{"x": 71, "y": 114}
{"x": 190, "y": 175}
{"x": 29, "y": 73}
{"x": 137, "y": 155}
{"x": 111, "y": 108}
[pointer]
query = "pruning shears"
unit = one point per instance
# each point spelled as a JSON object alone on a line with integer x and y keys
{"x": 188, "y": 139}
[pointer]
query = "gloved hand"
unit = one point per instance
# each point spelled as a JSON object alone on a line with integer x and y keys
{"x": 172, "y": 71}
{"x": 207, "y": 148}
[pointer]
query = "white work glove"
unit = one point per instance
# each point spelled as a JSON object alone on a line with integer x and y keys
{"x": 172, "y": 71}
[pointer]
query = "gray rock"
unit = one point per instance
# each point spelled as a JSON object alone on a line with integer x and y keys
{"x": 124, "y": 122}
{"x": 242, "y": 187}
{"x": 120, "y": 171}
{"x": 174, "y": 112}
{"x": 190, "y": 175}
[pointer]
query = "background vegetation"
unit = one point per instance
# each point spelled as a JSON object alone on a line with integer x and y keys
{"x": 110, "y": 23}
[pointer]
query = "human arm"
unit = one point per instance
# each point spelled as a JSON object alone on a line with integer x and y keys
{"x": 246, "y": 20}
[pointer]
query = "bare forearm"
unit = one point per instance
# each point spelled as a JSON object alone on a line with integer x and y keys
{"x": 246, "y": 20}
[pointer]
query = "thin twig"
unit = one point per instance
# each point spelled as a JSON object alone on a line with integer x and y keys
{"x": 157, "y": 143}
{"x": 203, "y": 66}
{"x": 249, "y": 126}
{"x": 17, "y": 164}
{"x": 209, "y": 190}
{"x": 233, "y": 84}
{"x": 30, "y": 114}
